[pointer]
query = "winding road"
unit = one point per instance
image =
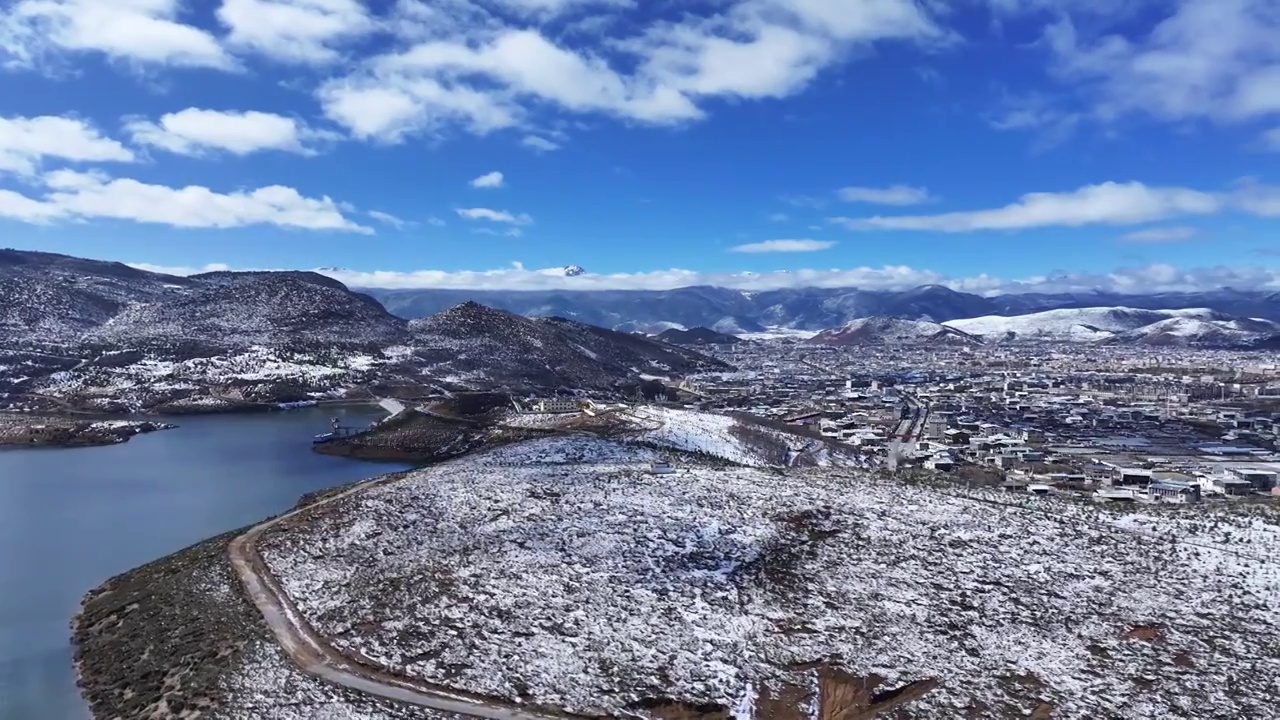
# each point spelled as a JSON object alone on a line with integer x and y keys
{"x": 314, "y": 656}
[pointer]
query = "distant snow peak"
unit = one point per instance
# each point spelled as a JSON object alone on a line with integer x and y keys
{"x": 574, "y": 270}
{"x": 1192, "y": 326}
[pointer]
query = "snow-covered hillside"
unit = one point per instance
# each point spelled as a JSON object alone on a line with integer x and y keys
{"x": 560, "y": 572}
{"x": 728, "y": 438}
{"x": 891, "y": 331}
{"x": 477, "y": 346}
{"x": 1101, "y": 324}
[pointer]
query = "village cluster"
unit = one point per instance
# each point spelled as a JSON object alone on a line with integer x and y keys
{"x": 1109, "y": 423}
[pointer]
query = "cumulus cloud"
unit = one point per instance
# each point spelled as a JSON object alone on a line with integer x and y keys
{"x": 26, "y": 142}
{"x": 541, "y": 144}
{"x": 892, "y": 195}
{"x": 196, "y": 131}
{"x": 489, "y": 75}
{"x": 78, "y": 196}
{"x": 148, "y": 32}
{"x": 497, "y": 216}
{"x": 1134, "y": 280}
{"x": 1160, "y": 235}
{"x": 491, "y": 180}
{"x": 784, "y": 246}
{"x": 1108, "y": 203}
{"x": 295, "y": 31}
{"x": 1205, "y": 59}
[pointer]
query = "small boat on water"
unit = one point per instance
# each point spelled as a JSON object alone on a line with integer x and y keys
{"x": 323, "y": 438}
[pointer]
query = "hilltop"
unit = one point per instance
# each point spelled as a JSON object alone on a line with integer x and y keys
{"x": 561, "y": 574}
{"x": 480, "y": 347}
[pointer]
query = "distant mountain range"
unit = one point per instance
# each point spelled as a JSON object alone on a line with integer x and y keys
{"x": 1103, "y": 325}
{"x": 102, "y": 335}
{"x": 55, "y": 300}
{"x": 739, "y": 311}
{"x": 1198, "y": 326}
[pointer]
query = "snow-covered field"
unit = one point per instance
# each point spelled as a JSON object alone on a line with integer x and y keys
{"x": 559, "y": 571}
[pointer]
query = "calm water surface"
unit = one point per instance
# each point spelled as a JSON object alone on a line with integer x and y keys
{"x": 70, "y": 519}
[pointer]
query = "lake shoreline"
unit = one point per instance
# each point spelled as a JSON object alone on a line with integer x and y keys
{"x": 164, "y": 637}
{"x": 71, "y": 431}
{"x": 107, "y": 511}
{"x": 65, "y": 429}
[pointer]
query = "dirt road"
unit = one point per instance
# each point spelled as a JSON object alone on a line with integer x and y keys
{"x": 314, "y": 656}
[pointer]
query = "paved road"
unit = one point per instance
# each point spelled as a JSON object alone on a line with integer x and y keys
{"x": 314, "y": 656}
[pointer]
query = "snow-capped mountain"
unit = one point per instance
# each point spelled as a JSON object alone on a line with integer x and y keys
{"x": 477, "y": 346}
{"x": 892, "y": 331}
{"x": 1195, "y": 326}
{"x": 800, "y": 308}
{"x": 573, "y": 270}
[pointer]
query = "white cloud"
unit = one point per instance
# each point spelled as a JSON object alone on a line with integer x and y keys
{"x": 784, "y": 246}
{"x": 137, "y": 31}
{"x": 389, "y": 219}
{"x": 892, "y": 195}
{"x": 74, "y": 196}
{"x": 489, "y": 180}
{"x": 484, "y": 76}
{"x": 1260, "y": 200}
{"x": 1271, "y": 139}
{"x": 541, "y": 144}
{"x": 555, "y": 7}
{"x": 1207, "y": 58}
{"x": 509, "y": 232}
{"x": 194, "y": 131}
{"x": 1137, "y": 280}
{"x": 1108, "y": 203}
{"x": 436, "y": 222}
{"x": 1160, "y": 235}
{"x": 26, "y": 142}
{"x": 295, "y": 31}
{"x": 497, "y": 216}
{"x": 180, "y": 270}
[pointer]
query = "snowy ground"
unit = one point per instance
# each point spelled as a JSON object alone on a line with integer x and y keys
{"x": 559, "y": 571}
{"x": 728, "y": 438}
{"x": 148, "y": 381}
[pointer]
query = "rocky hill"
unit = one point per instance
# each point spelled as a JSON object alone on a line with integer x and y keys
{"x": 239, "y": 310}
{"x": 697, "y": 336}
{"x": 479, "y": 347}
{"x": 90, "y": 335}
{"x": 48, "y": 299}
{"x": 892, "y": 331}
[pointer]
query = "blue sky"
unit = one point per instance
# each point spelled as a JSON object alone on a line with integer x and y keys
{"x": 989, "y": 144}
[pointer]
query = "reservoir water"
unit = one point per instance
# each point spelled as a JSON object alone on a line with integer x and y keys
{"x": 72, "y": 518}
